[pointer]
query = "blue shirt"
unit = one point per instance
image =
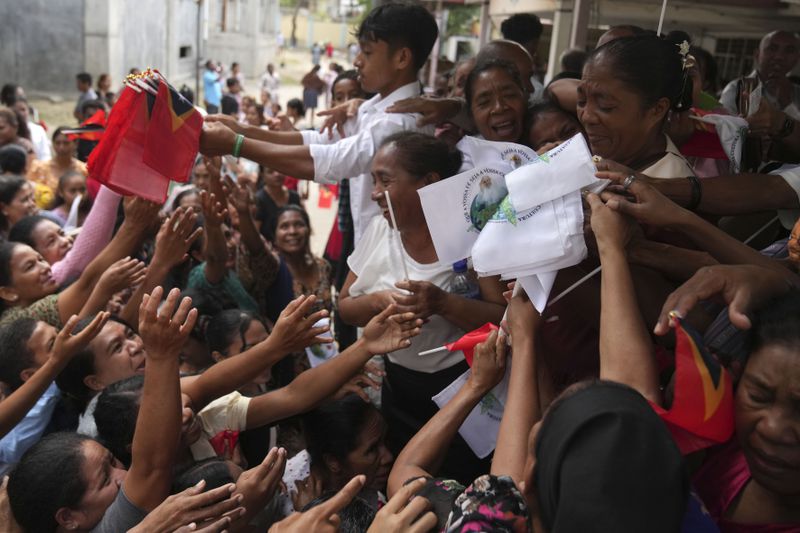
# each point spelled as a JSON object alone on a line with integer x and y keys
{"x": 29, "y": 430}
{"x": 212, "y": 89}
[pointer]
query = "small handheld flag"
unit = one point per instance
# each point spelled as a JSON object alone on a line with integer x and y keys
{"x": 701, "y": 414}
{"x": 467, "y": 343}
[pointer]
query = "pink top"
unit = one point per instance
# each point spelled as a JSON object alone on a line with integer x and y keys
{"x": 720, "y": 481}
{"x": 94, "y": 236}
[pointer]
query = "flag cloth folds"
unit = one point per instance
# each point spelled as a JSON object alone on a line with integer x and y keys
{"x": 152, "y": 136}
{"x": 173, "y": 135}
{"x": 468, "y": 342}
{"x": 90, "y": 129}
{"x": 701, "y": 414}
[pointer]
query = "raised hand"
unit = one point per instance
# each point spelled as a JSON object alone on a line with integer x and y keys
{"x": 163, "y": 332}
{"x": 405, "y": 512}
{"x": 142, "y": 214}
{"x": 742, "y": 287}
{"x": 126, "y": 272}
{"x": 767, "y": 121}
{"x": 488, "y": 363}
{"x": 239, "y": 195}
{"x": 360, "y": 382}
{"x": 294, "y": 328}
{"x": 258, "y": 485}
{"x": 194, "y": 510}
{"x": 226, "y": 120}
{"x": 214, "y": 210}
{"x": 390, "y": 331}
{"x": 308, "y": 490}
{"x": 425, "y": 300}
{"x": 650, "y": 206}
{"x": 67, "y": 345}
{"x": 338, "y": 115}
{"x": 431, "y": 111}
{"x": 175, "y": 237}
{"x": 321, "y": 518}
{"x": 610, "y": 227}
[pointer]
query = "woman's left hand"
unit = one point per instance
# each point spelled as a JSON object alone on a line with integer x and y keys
{"x": 258, "y": 485}
{"x": 127, "y": 272}
{"x": 425, "y": 300}
{"x": 163, "y": 332}
{"x": 308, "y": 490}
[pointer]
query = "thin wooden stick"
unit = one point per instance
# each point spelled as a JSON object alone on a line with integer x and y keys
{"x": 661, "y": 19}
{"x": 399, "y": 239}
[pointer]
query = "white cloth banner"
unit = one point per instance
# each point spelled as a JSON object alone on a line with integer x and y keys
{"x": 480, "y": 153}
{"x": 481, "y": 426}
{"x": 566, "y": 168}
{"x": 457, "y": 208}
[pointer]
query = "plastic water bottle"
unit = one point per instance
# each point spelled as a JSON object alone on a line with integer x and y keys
{"x": 464, "y": 284}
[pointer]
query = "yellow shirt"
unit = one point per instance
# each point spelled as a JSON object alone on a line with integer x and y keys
{"x": 42, "y": 174}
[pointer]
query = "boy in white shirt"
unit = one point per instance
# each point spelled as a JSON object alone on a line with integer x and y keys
{"x": 395, "y": 41}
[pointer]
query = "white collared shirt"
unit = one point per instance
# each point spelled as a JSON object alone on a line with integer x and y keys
{"x": 336, "y": 159}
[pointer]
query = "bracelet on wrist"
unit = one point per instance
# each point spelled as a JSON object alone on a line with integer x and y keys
{"x": 237, "y": 146}
{"x": 697, "y": 193}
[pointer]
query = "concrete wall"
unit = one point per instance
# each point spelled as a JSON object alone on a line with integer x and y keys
{"x": 41, "y": 43}
{"x": 310, "y": 30}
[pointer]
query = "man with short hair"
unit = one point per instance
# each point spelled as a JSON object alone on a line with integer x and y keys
{"x": 776, "y": 56}
{"x": 83, "y": 82}
{"x": 525, "y": 29}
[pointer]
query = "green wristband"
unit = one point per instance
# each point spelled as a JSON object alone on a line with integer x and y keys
{"x": 237, "y": 147}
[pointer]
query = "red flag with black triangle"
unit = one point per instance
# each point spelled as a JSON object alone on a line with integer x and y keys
{"x": 701, "y": 414}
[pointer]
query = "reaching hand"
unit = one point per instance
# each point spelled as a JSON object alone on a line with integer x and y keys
{"x": 226, "y": 120}
{"x": 142, "y": 214}
{"x": 360, "y": 382}
{"x": 767, "y": 121}
{"x": 425, "y": 300}
{"x": 610, "y": 228}
{"x": 214, "y": 212}
{"x": 431, "y": 111}
{"x": 163, "y": 332}
{"x": 522, "y": 318}
{"x": 217, "y": 138}
{"x": 338, "y": 115}
{"x": 308, "y": 490}
{"x": 742, "y": 287}
{"x": 321, "y": 518}
{"x": 239, "y": 195}
{"x": 280, "y": 123}
{"x": 389, "y": 331}
{"x": 190, "y": 509}
{"x": 258, "y": 485}
{"x": 650, "y": 206}
{"x": 405, "y": 512}
{"x": 67, "y": 345}
{"x": 294, "y": 330}
{"x": 127, "y": 272}
{"x": 488, "y": 363}
{"x": 175, "y": 237}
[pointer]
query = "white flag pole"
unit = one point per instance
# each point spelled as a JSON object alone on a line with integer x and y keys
{"x": 574, "y": 286}
{"x": 661, "y": 19}
{"x": 399, "y": 239}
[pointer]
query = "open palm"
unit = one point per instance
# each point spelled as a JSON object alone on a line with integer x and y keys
{"x": 389, "y": 331}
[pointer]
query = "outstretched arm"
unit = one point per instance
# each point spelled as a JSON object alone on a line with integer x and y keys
{"x": 157, "y": 434}
{"x": 425, "y": 452}
{"x": 384, "y": 334}
{"x": 626, "y": 351}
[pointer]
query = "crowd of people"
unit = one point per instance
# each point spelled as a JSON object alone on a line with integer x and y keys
{"x": 194, "y": 366}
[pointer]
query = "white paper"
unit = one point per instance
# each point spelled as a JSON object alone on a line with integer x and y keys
{"x": 566, "y": 168}
{"x": 481, "y": 426}
{"x": 480, "y": 153}
{"x": 538, "y": 287}
{"x": 319, "y": 353}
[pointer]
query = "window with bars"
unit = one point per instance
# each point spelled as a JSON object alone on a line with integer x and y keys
{"x": 735, "y": 57}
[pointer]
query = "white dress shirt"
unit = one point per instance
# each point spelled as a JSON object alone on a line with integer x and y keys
{"x": 336, "y": 159}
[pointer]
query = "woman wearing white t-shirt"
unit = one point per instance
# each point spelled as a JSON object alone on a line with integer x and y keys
{"x": 406, "y": 162}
